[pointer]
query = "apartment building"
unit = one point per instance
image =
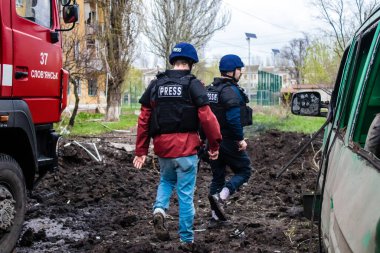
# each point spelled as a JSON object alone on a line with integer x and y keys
{"x": 92, "y": 84}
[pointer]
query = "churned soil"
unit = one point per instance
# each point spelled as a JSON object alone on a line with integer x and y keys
{"x": 106, "y": 206}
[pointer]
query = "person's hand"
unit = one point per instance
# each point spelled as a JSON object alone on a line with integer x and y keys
{"x": 213, "y": 155}
{"x": 139, "y": 161}
{"x": 242, "y": 145}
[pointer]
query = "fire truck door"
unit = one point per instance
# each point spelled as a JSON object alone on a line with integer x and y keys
{"x": 37, "y": 59}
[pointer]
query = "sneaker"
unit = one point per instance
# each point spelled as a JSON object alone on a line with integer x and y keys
{"x": 214, "y": 224}
{"x": 217, "y": 204}
{"x": 186, "y": 246}
{"x": 160, "y": 229}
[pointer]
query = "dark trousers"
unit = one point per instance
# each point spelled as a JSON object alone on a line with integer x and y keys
{"x": 239, "y": 163}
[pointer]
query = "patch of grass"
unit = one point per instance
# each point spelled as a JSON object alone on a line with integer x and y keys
{"x": 281, "y": 119}
{"x": 93, "y": 123}
{"x": 264, "y": 118}
{"x": 291, "y": 123}
{"x": 125, "y": 108}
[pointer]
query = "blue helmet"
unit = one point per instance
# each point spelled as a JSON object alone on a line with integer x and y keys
{"x": 230, "y": 62}
{"x": 183, "y": 50}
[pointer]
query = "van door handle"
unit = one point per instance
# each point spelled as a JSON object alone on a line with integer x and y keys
{"x": 21, "y": 74}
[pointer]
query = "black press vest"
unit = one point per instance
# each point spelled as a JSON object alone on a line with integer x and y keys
{"x": 214, "y": 93}
{"x": 173, "y": 110}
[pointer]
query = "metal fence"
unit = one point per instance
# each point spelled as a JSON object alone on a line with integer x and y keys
{"x": 266, "y": 94}
{"x": 131, "y": 97}
{"x": 268, "y": 89}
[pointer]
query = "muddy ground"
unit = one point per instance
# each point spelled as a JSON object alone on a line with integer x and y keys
{"x": 89, "y": 206}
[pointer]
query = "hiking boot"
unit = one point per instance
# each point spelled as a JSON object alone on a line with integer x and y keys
{"x": 160, "y": 229}
{"x": 217, "y": 204}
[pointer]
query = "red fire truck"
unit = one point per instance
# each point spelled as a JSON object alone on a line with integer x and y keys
{"x": 33, "y": 88}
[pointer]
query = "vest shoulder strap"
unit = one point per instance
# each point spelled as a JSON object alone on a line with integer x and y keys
{"x": 185, "y": 80}
{"x": 217, "y": 88}
{"x": 160, "y": 74}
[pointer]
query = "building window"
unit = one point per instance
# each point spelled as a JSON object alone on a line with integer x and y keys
{"x": 90, "y": 19}
{"x": 89, "y": 14}
{"x": 35, "y": 11}
{"x": 19, "y": 3}
{"x": 92, "y": 87}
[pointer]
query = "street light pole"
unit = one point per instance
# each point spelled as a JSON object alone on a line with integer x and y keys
{"x": 275, "y": 52}
{"x": 249, "y": 68}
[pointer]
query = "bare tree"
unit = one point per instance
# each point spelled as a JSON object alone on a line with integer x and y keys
{"x": 206, "y": 72}
{"x": 343, "y": 17}
{"x": 193, "y": 21}
{"x": 364, "y": 9}
{"x": 78, "y": 61}
{"x": 294, "y": 54}
{"x": 118, "y": 38}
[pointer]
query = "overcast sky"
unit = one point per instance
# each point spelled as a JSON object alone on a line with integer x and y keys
{"x": 275, "y": 23}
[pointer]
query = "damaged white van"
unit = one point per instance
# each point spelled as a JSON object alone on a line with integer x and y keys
{"x": 349, "y": 182}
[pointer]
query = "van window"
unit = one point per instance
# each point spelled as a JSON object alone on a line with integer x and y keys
{"x": 334, "y": 96}
{"x": 369, "y": 100}
{"x": 353, "y": 74}
{"x": 38, "y": 11}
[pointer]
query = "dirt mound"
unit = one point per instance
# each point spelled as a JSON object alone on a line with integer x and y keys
{"x": 106, "y": 206}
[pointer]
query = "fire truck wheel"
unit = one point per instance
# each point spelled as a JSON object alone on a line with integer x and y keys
{"x": 12, "y": 202}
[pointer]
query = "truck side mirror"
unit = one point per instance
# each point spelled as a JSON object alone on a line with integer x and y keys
{"x": 70, "y": 14}
{"x": 306, "y": 104}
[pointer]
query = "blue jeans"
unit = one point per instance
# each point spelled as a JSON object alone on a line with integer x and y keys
{"x": 180, "y": 173}
{"x": 239, "y": 163}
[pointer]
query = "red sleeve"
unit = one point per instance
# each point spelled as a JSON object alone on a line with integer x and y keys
{"x": 210, "y": 127}
{"x": 143, "y": 139}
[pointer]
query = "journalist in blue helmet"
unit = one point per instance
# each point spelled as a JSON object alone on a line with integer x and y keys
{"x": 172, "y": 108}
{"x": 184, "y": 51}
{"x": 229, "y": 103}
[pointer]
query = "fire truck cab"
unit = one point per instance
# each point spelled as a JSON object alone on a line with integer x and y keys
{"x": 33, "y": 88}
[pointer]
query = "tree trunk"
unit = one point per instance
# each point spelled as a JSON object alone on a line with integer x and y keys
{"x": 75, "y": 110}
{"x": 113, "y": 103}
{"x": 298, "y": 75}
